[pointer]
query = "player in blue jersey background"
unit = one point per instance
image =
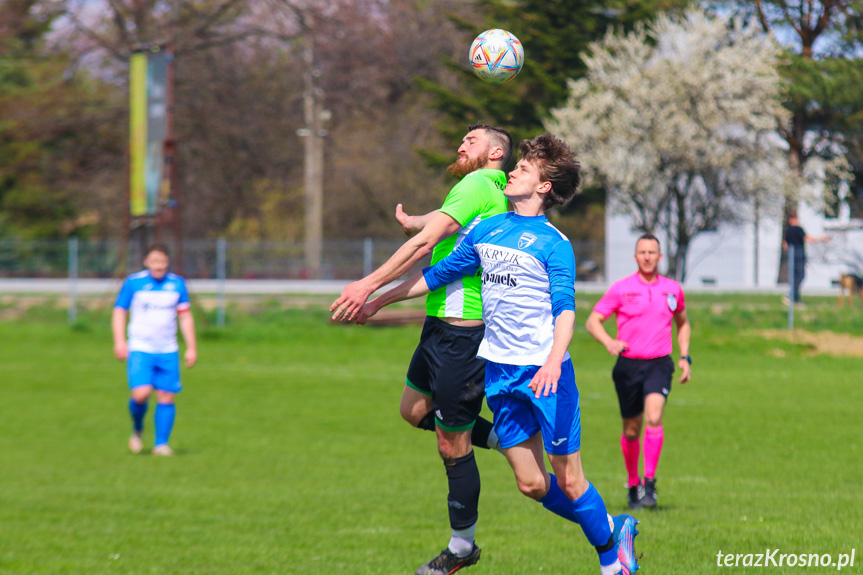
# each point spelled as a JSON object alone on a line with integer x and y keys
{"x": 528, "y": 306}
{"x": 155, "y": 301}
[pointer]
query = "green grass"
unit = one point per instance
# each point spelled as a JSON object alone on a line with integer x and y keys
{"x": 292, "y": 457}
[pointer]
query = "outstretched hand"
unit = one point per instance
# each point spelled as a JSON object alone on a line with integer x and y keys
{"x": 367, "y": 311}
{"x": 348, "y": 305}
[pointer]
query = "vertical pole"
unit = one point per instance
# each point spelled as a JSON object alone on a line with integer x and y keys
{"x": 791, "y": 287}
{"x": 73, "y": 280}
{"x": 314, "y": 160}
{"x": 755, "y": 259}
{"x": 221, "y": 264}
{"x": 367, "y": 256}
{"x": 174, "y": 201}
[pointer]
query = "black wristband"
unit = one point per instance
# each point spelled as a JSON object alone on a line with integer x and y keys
{"x": 687, "y": 358}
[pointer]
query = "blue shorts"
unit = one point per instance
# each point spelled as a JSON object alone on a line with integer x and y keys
{"x": 161, "y": 370}
{"x": 519, "y": 415}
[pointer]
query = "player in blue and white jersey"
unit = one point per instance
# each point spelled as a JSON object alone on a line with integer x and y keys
{"x": 528, "y": 306}
{"x": 156, "y": 301}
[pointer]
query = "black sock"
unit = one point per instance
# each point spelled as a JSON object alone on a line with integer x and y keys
{"x": 427, "y": 422}
{"x": 463, "y": 496}
{"x": 480, "y": 432}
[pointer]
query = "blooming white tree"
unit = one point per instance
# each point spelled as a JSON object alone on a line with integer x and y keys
{"x": 677, "y": 121}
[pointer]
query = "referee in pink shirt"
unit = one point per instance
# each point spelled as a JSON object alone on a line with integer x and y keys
{"x": 645, "y": 303}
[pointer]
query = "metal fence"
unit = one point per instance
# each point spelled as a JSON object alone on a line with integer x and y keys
{"x": 215, "y": 259}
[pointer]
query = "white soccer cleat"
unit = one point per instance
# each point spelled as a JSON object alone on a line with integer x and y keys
{"x": 135, "y": 443}
{"x": 163, "y": 450}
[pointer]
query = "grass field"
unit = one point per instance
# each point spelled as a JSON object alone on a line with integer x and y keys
{"x": 292, "y": 457}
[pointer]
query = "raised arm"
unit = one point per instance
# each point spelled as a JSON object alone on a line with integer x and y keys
{"x": 355, "y": 294}
{"x": 683, "y": 332}
{"x": 413, "y": 224}
{"x": 460, "y": 263}
{"x": 413, "y": 287}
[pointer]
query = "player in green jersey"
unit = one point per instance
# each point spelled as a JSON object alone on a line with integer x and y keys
{"x": 445, "y": 383}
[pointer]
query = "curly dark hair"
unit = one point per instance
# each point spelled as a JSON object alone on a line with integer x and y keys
{"x": 557, "y": 163}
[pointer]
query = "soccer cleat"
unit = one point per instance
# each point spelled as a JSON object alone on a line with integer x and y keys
{"x": 135, "y": 443}
{"x": 448, "y": 562}
{"x": 635, "y": 497}
{"x": 624, "y": 533}
{"x": 650, "y": 497}
{"x": 163, "y": 450}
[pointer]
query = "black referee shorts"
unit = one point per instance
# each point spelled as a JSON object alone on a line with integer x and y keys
{"x": 634, "y": 379}
{"x": 445, "y": 367}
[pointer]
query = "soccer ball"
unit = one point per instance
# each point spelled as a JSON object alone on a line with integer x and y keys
{"x": 496, "y": 56}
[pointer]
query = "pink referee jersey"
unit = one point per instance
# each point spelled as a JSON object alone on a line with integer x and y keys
{"x": 644, "y": 314}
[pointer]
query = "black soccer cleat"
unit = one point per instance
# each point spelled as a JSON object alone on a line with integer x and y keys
{"x": 650, "y": 497}
{"x": 635, "y": 498}
{"x": 448, "y": 562}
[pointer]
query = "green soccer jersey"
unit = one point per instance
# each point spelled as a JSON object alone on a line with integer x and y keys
{"x": 477, "y": 196}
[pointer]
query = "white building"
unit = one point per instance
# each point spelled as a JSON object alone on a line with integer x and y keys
{"x": 733, "y": 258}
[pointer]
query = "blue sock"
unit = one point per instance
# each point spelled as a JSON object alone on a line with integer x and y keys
{"x": 557, "y": 502}
{"x": 137, "y": 410}
{"x": 588, "y": 511}
{"x": 593, "y": 518}
{"x": 165, "y": 413}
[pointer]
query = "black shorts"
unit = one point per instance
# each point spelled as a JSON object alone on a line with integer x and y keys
{"x": 445, "y": 367}
{"x": 635, "y": 378}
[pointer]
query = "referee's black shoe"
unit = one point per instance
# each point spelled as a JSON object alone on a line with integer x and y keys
{"x": 448, "y": 562}
{"x": 635, "y": 498}
{"x": 650, "y": 498}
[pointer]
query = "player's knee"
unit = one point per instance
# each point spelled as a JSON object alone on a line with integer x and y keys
{"x": 533, "y": 487}
{"x": 448, "y": 453}
{"x": 631, "y": 433}
{"x": 653, "y": 420}
{"x": 141, "y": 394}
{"x": 453, "y": 444}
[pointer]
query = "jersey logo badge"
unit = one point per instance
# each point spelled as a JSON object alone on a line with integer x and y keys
{"x": 526, "y": 240}
{"x": 672, "y": 301}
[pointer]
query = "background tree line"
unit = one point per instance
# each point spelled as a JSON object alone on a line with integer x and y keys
{"x": 392, "y": 75}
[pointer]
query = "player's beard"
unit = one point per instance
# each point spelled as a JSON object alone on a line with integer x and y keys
{"x": 464, "y": 165}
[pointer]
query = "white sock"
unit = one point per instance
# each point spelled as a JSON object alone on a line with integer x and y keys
{"x": 461, "y": 543}
{"x": 493, "y": 441}
{"x": 612, "y": 569}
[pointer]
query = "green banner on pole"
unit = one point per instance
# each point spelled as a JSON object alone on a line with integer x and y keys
{"x": 148, "y": 116}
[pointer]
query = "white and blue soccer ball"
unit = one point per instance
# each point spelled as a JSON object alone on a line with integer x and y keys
{"x": 496, "y": 56}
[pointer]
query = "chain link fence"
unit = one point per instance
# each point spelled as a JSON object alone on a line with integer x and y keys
{"x": 214, "y": 259}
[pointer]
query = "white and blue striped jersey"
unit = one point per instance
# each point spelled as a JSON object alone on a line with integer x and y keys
{"x": 153, "y": 305}
{"x": 528, "y": 278}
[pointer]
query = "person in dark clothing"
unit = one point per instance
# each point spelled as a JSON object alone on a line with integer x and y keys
{"x": 796, "y": 238}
